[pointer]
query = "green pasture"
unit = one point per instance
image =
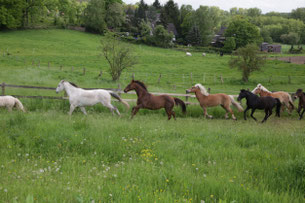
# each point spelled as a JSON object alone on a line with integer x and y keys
{"x": 48, "y": 156}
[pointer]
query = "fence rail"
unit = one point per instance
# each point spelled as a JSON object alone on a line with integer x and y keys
{"x": 4, "y": 85}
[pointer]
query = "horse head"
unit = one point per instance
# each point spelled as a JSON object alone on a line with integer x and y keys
{"x": 135, "y": 84}
{"x": 192, "y": 89}
{"x": 243, "y": 93}
{"x": 60, "y": 86}
{"x": 299, "y": 93}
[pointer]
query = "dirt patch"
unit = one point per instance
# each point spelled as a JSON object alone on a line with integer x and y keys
{"x": 291, "y": 59}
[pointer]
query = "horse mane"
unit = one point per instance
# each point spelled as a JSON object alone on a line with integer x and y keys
{"x": 263, "y": 88}
{"x": 141, "y": 84}
{"x": 202, "y": 89}
{"x": 73, "y": 84}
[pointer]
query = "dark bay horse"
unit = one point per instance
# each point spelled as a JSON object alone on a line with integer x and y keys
{"x": 299, "y": 93}
{"x": 255, "y": 102}
{"x": 152, "y": 102}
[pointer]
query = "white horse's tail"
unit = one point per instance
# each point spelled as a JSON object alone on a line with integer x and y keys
{"x": 290, "y": 102}
{"x": 19, "y": 105}
{"x": 236, "y": 104}
{"x": 115, "y": 95}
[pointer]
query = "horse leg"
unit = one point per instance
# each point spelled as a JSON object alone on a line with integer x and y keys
{"x": 174, "y": 114}
{"x": 288, "y": 107}
{"x": 266, "y": 115}
{"x": 252, "y": 112}
{"x": 205, "y": 113}
{"x": 72, "y": 107}
{"x": 301, "y": 115}
{"x": 112, "y": 108}
{"x": 135, "y": 110}
{"x": 9, "y": 108}
{"x": 228, "y": 109}
{"x": 245, "y": 113}
{"x": 83, "y": 110}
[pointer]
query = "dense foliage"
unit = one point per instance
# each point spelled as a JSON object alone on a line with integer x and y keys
{"x": 189, "y": 26}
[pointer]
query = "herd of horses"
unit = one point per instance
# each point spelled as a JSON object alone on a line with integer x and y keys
{"x": 267, "y": 100}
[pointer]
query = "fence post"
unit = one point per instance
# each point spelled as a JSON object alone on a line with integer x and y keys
{"x": 203, "y": 78}
{"x": 72, "y": 69}
{"x": 119, "y": 87}
{"x": 174, "y": 87}
{"x": 192, "y": 78}
{"x": 84, "y": 71}
{"x": 49, "y": 64}
{"x": 221, "y": 79}
{"x": 270, "y": 79}
{"x": 3, "y": 88}
{"x": 33, "y": 63}
{"x": 39, "y": 64}
{"x": 60, "y": 67}
{"x": 101, "y": 73}
{"x": 289, "y": 79}
{"x": 183, "y": 78}
{"x": 159, "y": 78}
{"x": 209, "y": 90}
{"x": 132, "y": 76}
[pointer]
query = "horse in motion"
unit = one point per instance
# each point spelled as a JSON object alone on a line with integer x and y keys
{"x": 255, "y": 102}
{"x": 284, "y": 97}
{"x": 299, "y": 93}
{"x": 9, "y": 102}
{"x": 149, "y": 101}
{"x": 209, "y": 100}
{"x": 79, "y": 97}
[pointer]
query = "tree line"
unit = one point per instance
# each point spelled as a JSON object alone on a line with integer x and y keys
{"x": 157, "y": 24}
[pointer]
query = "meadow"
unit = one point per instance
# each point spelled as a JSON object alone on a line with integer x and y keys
{"x": 47, "y": 156}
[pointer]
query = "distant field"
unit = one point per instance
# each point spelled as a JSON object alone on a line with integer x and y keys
{"x": 48, "y": 156}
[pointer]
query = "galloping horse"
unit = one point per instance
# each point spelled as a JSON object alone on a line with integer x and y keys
{"x": 255, "y": 102}
{"x": 79, "y": 97}
{"x": 9, "y": 102}
{"x": 152, "y": 102}
{"x": 284, "y": 97}
{"x": 299, "y": 93}
{"x": 208, "y": 100}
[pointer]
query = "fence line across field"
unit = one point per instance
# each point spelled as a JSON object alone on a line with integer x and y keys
{"x": 4, "y": 85}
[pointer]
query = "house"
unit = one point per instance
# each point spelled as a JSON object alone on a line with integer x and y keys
{"x": 219, "y": 38}
{"x": 275, "y": 48}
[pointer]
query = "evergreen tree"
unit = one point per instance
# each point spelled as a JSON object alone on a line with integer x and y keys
{"x": 157, "y": 4}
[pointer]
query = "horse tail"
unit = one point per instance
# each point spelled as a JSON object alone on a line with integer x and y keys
{"x": 115, "y": 95}
{"x": 180, "y": 103}
{"x": 236, "y": 104}
{"x": 278, "y": 107}
{"x": 291, "y": 102}
{"x": 19, "y": 105}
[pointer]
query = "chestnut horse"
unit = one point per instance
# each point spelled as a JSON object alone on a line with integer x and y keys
{"x": 152, "y": 102}
{"x": 284, "y": 97}
{"x": 208, "y": 100}
{"x": 299, "y": 93}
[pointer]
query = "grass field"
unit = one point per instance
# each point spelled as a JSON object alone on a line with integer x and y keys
{"x": 47, "y": 156}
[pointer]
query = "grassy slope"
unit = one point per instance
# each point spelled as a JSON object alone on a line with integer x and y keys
{"x": 191, "y": 159}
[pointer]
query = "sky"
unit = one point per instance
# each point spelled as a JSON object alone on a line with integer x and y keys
{"x": 264, "y": 5}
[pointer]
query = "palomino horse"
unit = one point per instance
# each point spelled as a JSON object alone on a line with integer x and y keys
{"x": 79, "y": 97}
{"x": 255, "y": 102}
{"x": 9, "y": 102}
{"x": 152, "y": 102}
{"x": 299, "y": 93}
{"x": 208, "y": 100}
{"x": 284, "y": 97}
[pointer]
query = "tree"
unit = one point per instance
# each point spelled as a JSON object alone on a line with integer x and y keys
{"x": 157, "y": 4}
{"x": 118, "y": 55}
{"x": 115, "y": 15}
{"x": 291, "y": 38}
{"x": 229, "y": 45}
{"x": 161, "y": 36}
{"x": 11, "y": 13}
{"x": 95, "y": 16}
{"x": 298, "y": 13}
{"x": 248, "y": 60}
{"x": 243, "y": 31}
{"x": 171, "y": 14}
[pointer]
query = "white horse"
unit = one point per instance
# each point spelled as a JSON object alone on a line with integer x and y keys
{"x": 204, "y": 54}
{"x": 79, "y": 97}
{"x": 188, "y": 54}
{"x": 9, "y": 102}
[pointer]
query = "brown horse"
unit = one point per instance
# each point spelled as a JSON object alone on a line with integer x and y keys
{"x": 284, "y": 97}
{"x": 208, "y": 100}
{"x": 299, "y": 93}
{"x": 152, "y": 102}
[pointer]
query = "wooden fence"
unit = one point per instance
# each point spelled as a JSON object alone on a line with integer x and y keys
{"x": 118, "y": 90}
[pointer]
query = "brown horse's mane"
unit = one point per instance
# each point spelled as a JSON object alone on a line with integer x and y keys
{"x": 73, "y": 84}
{"x": 141, "y": 84}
